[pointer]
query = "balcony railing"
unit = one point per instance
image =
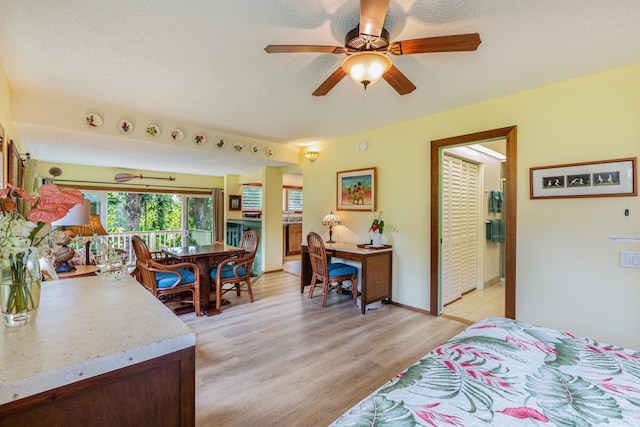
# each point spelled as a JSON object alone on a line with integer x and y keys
{"x": 155, "y": 240}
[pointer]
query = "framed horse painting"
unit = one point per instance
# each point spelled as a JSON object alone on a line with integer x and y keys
{"x": 357, "y": 190}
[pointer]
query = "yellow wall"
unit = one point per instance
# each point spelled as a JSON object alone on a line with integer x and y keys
{"x": 568, "y": 274}
{"x": 104, "y": 176}
{"x": 5, "y": 102}
{"x": 272, "y": 219}
{"x": 6, "y": 119}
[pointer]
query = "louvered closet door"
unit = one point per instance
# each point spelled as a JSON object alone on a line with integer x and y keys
{"x": 459, "y": 227}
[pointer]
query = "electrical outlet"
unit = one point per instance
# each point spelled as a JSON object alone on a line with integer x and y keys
{"x": 629, "y": 259}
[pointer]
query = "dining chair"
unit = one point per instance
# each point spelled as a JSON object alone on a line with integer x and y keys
{"x": 165, "y": 280}
{"x": 236, "y": 270}
{"x": 325, "y": 274}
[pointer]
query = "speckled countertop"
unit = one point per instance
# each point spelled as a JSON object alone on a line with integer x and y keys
{"x": 86, "y": 327}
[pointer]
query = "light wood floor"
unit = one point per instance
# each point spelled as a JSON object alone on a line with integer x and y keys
{"x": 286, "y": 361}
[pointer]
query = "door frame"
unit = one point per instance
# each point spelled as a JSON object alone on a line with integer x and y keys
{"x": 510, "y": 134}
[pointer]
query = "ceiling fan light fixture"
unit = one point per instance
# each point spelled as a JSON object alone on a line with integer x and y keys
{"x": 366, "y": 68}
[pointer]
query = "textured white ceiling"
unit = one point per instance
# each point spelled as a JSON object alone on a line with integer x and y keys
{"x": 203, "y": 61}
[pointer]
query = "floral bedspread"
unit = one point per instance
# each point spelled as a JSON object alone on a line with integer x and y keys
{"x": 507, "y": 373}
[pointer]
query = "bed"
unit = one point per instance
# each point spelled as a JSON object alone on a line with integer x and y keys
{"x": 503, "y": 372}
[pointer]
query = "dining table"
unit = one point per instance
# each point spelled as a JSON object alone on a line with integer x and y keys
{"x": 204, "y": 256}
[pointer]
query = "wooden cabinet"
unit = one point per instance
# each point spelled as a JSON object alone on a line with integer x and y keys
{"x": 293, "y": 239}
{"x": 158, "y": 392}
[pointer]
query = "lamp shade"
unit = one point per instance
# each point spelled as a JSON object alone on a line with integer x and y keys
{"x": 77, "y": 215}
{"x": 366, "y": 68}
{"x": 91, "y": 227}
{"x": 311, "y": 155}
{"x": 331, "y": 219}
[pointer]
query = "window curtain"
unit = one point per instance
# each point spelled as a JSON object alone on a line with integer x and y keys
{"x": 217, "y": 202}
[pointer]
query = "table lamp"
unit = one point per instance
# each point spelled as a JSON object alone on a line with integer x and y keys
{"x": 331, "y": 219}
{"x": 79, "y": 214}
{"x": 88, "y": 229}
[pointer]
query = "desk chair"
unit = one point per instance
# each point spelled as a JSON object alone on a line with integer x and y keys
{"x": 165, "y": 280}
{"x": 325, "y": 274}
{"x": 233, "y": 271}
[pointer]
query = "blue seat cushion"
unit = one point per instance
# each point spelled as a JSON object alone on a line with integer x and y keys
{"x": 166, "y": 280}
{"x": 227, "y": 272}
{"x": 341, "y": 269}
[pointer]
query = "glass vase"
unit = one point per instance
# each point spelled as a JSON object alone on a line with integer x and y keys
{"x": 20, "y": 289}
{"x": 376, "y": 239}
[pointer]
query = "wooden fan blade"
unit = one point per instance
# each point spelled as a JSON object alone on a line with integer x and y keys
{"x": 124, "y": 177}
{"x": 328, "y": 84}
{"x": 372, "y": 15}
{"x": 455, "y": 43}
{"x": 301, "y": 48}
{"x": 398, "y": 81}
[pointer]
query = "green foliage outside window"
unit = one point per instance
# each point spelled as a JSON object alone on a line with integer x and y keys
{"x": 143, "y": 212}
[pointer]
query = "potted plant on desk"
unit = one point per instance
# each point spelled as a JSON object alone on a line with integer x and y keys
{"x": 377, "y": 227}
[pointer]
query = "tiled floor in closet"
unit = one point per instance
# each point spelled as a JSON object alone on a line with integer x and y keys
{"x": 476, "y": 305}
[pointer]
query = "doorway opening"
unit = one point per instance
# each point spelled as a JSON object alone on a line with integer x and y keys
{"x": 509, "y": 135}
{"x": 472, "y": 230}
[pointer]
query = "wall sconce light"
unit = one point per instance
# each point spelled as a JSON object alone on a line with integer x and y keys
{"x": 311, "y": 155}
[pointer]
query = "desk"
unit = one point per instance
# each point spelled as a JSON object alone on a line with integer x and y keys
{"x": 80, "y": 271}
{"x": 376, "y": 269}
{"x": 204, "y": 256}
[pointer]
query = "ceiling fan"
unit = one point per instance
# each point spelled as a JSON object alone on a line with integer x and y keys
{"x": 367, "y": 45}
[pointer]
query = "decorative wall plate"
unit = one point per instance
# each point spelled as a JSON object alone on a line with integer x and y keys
{"x": 199, "y": 139}
{"x": 94, "y": 120}
{"x": 153, "y": 130}
{"x": 125, "y": 126}
{"x": 255, "y": 148}
{"x": 177, "y": 135}
{"x": 269, "y": 151}
{"x": 238, "y": 146}
{"x": 220, "y": 142}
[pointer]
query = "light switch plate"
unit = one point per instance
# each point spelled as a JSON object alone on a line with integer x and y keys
{"x": 629, "y": 259}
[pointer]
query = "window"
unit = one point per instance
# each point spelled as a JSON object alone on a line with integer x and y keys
{"x": 292, "y": 199}
{"x": 252, "y": 197}
{"x": 161, "y": 219}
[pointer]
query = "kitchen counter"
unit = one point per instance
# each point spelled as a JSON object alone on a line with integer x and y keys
{"x": 87, "y": 328}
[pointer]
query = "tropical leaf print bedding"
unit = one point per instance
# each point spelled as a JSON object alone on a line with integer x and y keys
{"x": 507, "y": 373}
